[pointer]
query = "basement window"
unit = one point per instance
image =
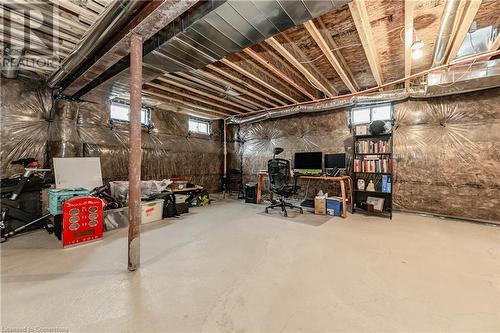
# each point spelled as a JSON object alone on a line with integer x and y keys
{"x": 121, "y": 112}
{"x": 367, "y": 114}
{"x": 199, "y": 126}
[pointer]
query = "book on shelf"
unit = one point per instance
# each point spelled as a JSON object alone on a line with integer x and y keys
{"x": 386, "y": 184}
{"x": 374, "y": 165}
{"x": 372, "y": 147}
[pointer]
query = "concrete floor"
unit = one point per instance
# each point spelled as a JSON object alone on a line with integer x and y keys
{"x": 228, "y": 268}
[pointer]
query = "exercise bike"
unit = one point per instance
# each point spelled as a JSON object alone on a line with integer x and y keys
{"x": 18, "y": 213}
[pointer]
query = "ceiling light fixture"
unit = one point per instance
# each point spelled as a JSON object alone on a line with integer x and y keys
{"x": 417, "y": 53}
{"x": 417, "y": 44}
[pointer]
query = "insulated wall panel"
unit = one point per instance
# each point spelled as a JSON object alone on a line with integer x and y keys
{"x": 25, "y": 113}
{"x": 34, "y": 125}
{"x": 446, "y": 150}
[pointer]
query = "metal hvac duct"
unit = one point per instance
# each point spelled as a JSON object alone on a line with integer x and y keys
{"x": 446, "y": 82}
{"x": 114, "y": 16}
{"x": 445, "y": 32}
{"x": 202, "y": 38}
{"x": 11, "y": 58}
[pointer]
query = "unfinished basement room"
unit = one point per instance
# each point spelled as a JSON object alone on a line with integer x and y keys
{"x": 273, "y": 166}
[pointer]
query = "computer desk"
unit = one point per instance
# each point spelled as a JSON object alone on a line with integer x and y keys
{"x": 340, "y": 179}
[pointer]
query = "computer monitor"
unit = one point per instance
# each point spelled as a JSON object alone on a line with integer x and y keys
{"x": 308, "y": 162}
{"x": 335, "y": 161}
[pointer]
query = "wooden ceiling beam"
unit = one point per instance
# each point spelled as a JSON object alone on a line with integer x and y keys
{"x": 298, "y": 76}
{"x": 241, "y": 99}
{"x": 33, "y": 24}
{"x": 294, "y": 62}
{"x": 258, "y": 80}
{"x": 409, "y": 13}
{"x": 271, "y": 67}
{"x": 191, "y": 97}
{"x": 202, "y": 93}
{"x": 334, "y": 47}
{"x": 496, "y": 44}
{"x": 462, "y": 27}
{"x": 67, "y": 23}
{"x": 363, "y": 26}
{"x": 184, "y": 103}
{"x": 332, "y": 59}
{"x": 237, "y": 88}
{"x": 83, "y": 13}
{"x": 40, "y": 38}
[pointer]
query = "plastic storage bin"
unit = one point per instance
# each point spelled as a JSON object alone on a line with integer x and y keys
{"x": 57, "y": 196}
{"x": 333, "y": 207}
{"x": 151, "y": 211}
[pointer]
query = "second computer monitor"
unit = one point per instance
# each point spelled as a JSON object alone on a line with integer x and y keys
{"x": 335, "y": 161}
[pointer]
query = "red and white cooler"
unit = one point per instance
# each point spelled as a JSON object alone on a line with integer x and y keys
{"x": 82, "y": 220}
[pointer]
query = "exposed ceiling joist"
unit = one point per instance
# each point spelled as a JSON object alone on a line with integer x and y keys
{"x": 292, "y": 60}
{"x": 258, "y": 80}
{"x": 41, "y": 49}
{"x": 469, "y": 13}
{"x": 335, "y": 49}
{"x": 84, "y": 14}
{"x": 192, "y": 97}
{"x": 177, "y": 101}
{"x": 44, "y": 13}
{"x": 241, "y": 99}
{"x": 496, "y": 44}
{"x": 40, "y": 38}
{"x": 318, "y": 38}
{"x": 237, "y": 88}
{"x": 409, "y": 13}
{"x": 202, "y": 93}
{"x": 362, "y": 22}
{"x": 37, "y": 25}
{"x": 267, "y": 64}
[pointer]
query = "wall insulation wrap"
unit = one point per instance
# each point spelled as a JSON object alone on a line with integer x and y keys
{"x": 25, "y": 109}
{"x": 35, "y": 126}
{"x": 446, "y": 150}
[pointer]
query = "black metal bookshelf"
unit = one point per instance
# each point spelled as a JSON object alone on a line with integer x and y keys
{"x": 360, "y": 196}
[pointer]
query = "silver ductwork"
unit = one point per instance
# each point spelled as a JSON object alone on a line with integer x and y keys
{"x": 11, "y": 58}
{"x": 114, "y": 17}
{"x": 233, "y": 24}
{"x": 445, "y": 31}
{"x": 455, "y": 80}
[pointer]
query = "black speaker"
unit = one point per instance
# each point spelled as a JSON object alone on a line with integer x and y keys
{"x": 251, "y": 192}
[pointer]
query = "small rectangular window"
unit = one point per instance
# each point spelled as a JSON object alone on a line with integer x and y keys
{"x": 360, "y": 116}
{"x": 121, "y": 112}
{"x": 381, "y": 112}
{"x": 199, "y": 126}
{"x": 367, "y": 114}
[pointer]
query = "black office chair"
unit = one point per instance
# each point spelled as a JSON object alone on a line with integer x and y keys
{"x": 279, "y": 176}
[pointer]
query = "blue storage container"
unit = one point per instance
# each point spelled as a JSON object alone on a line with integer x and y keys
{"x": 56, "y": 197}
{"x": 333, "y": 207}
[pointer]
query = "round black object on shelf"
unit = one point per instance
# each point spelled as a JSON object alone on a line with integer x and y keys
{"x": 377, "y": 127}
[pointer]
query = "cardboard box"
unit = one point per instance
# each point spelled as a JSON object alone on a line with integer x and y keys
{"x": 320, "y": 205}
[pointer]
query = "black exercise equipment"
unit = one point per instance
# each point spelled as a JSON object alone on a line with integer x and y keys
{"x": 20, "y": 200}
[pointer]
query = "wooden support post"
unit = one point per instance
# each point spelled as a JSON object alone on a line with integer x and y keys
{"x": 134, "y": 164}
